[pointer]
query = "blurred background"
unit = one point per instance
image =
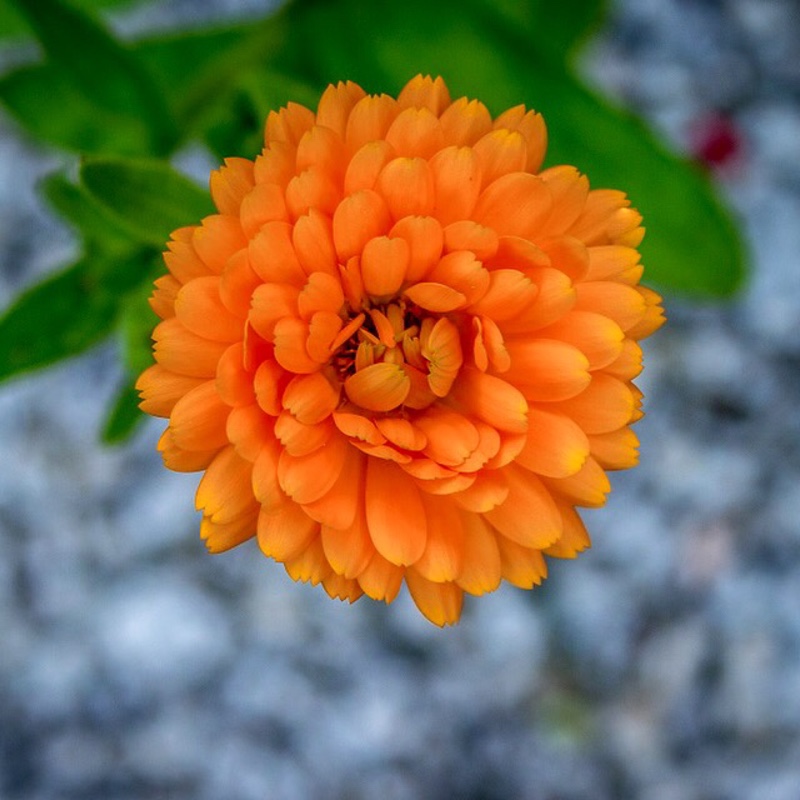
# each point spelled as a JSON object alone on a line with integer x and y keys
{"x": 663, "y": 664}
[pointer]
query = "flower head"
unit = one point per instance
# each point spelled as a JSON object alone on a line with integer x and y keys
{"x": 400, "y": 352}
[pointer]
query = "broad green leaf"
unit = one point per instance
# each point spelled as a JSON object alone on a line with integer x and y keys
{"x": 65, "y": 314}
{"x": 692, "y": 244}
{"x": 13, "y": 24}
{"x": 148, "y": 197}
{"x": 556, "y": 29}
{"x": 78, "y": 124}
{"x": 98, "y": 229}
{"x": 106, "y": 73}
{"x": 124, "y": 416}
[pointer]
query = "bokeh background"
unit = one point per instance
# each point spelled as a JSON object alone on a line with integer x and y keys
{"x": 663, "y": 664}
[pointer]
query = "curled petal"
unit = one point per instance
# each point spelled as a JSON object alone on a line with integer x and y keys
{"x": 514, "y": 205}
{"x": 457, "y": 180}
{"x": 384, "y": 265}
{"x": 379, "y": 387}
{"x": 435, "y": 297}
{"x": 425, "y": 241}
{"x": 311, "y": 398}
{"x": 492, "y": 399}
{"x": 439, "y": 602}
{"x": 360, "y": 217}
{"x": 349, "y": 549}
{"x": 407, "y": 186}
{"x": 425, "y": 92}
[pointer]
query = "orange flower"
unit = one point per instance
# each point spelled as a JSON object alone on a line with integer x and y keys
{"x": 400, "y": 351}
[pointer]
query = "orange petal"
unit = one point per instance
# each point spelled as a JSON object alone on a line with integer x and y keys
{"x": 275, "y": 164}
{"x": 482, "y": 568}
{"x": 348, "y": 549}
{"x": 290, "y": 338}
{"x": 379, "y": 387}
{"x": 360, "y": 217}
{"x": 500, "y": 152}
{"x": 597, "y": 337}
{"x": 575, "y": 538}
{"x": 365, "y": 166}
{"x": 587, "y": 487}
{"x": 182, "y": 259}
{"x": 556, "y": 295}
{"x": 322, "y": 292}
{"x": 463, "y": 272}
{"x": 237, "y": 284}
{"x": 529, "y": 515}
{"x": 289, "y": 124}
{"x": 249, "y": 429}
{"x": 442, "y": 350}
{"x": 487, "y": 492}
{"x": 608, "y": 261}
{"x": 435, "y": 297}
{"x": 369, "y": 120}
{"x": 457, "y": 182}
{"x": 402, "y": 433}
{"x": 311, "y": 398}
{"x": 555, "y": 445}
{"x": 615, "y": 450}
{"x": 162, "y": 301}
{"x": 216, "y": 239}
{"x": 491, "y": 399}
{"x": 384, "y": 264}
{"x": 322, "y": 150}
{"x": 425, "y": 92}
{"x": 229, "y": 184}
{"x": 298, "y": 438}
{"x": 468, "y": 235}
{"x": 357, "y": 426}
{"x": 568, "y": 255}
{"x": 323, "y": 330}
{"x": 266, "y": 488}
{"x": 531, "y": 126}
{"x": 415, "y": 132}
{"x": 618, "y": 302}
{"x": 271, "y": 303}
{"x": 395, "y": 514}
{"x": 339, "y": 588}
{"x": 159, "y": 389}
{"x": 653, "y": 317}
{"x": 605, "y": 405}
{"x": 273, "y": 257}
{"x": 439, "y": 602}
{"x": 510, "y": 292}
{"x": 310, "y": 566}
{"x": 514, "y": 205}
{"x": 380, "y": 579}
{"x": 592, "y": 225}
{"x": 269, "y": 382}
{"x": 312, "y": 238}
{"x": 629, "y": 363}
{"x": 183, "y": 460}
{"x": 265, "y": 203}
{"x": 425, "y": 241}
{"x": 521, "y": 566}
{"x": 225, "y": 492}
{"x": 183, "y": 352}
{"x": 199, "y": 308}
{"x": 407, "y": 186}
{"x": 465, "y": 121}
{"x": 307, "y": 478}
{"x": 283, "y": 534}
{"x": 222, "y": 536}
{"x": 339, "y": 507}
{"x": 547, "y": 369}
{"x": 311, "y": 189}
{"x": 452, "y": 438}
{"x": 198, "y": 419}
{"x": 443, "y": 557}
{"x": 570, "y": 190}
{"x": 336, "y": 104}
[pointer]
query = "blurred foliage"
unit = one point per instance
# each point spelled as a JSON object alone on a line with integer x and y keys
{"x": 126, "y": 108}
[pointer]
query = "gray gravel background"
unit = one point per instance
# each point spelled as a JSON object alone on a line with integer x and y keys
{"x": 664, "y": 664}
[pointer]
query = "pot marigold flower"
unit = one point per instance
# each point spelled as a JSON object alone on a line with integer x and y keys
{"x": 401, "y": 351}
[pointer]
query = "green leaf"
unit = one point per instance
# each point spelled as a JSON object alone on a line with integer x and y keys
{"x": 65, "y": 314}
{"x": 148, "y": 197}
{"x": 556, "y": 29}
{"x": 692, "y": 243}
{"x": 124, "y": 416}
{"x": 13, "y": 24}
{"x": 106, "y": 74}
{"x": 98, "y": 229}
